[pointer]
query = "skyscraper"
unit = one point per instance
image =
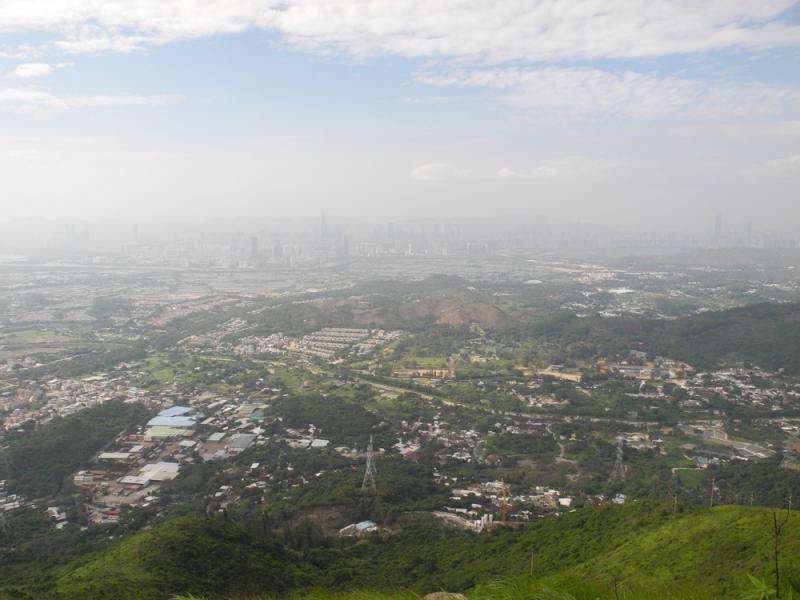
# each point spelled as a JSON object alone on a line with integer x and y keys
{"x": 717, "y": 229}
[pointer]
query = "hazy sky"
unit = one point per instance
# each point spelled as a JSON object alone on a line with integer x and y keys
{"x": 641, "y": 111}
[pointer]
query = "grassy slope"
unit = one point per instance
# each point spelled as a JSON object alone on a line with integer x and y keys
{"x": 702, "y": 554}
{"x": 116, "y": 572}
{"x": 187, "y": 554}
{"x": 706, "y": 554}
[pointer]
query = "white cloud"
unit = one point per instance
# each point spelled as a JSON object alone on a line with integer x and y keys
{"x": 533, "y": 31}
{"x": 594, "y": 93}
{"x": 437, "y": 172}
{"x": 471, "y": 33}
{"x": 520, "y": 30}
{"x": 541, "y": 172}
{"x": 20, "y": 52}
{"x": 30, "y": 70}
{"x": 38, "y": 102}
{"x": 566, "y": 167}
{"x": 506, "y": 174}
{"x": 787, "y": 162}
{"x": 785, "y": 169}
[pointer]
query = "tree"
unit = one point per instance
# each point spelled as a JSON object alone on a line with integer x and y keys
{"x": 778, "y": 525}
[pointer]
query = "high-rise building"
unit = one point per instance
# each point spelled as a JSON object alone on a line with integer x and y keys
{"x": 277, "y": 247}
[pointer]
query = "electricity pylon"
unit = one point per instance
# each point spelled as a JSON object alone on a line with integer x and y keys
{"x": 369, "y": 473}
{"x": 618, "y": 472}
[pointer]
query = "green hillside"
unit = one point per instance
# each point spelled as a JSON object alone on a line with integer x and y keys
{"x": 187, "y": 554}
{"x": 639, "y": 548}
{"x": 766, "y": 335}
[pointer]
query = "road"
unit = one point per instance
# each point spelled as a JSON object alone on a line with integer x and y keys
{"x": 561, "y": 458}
{"x": 522, "y": 415}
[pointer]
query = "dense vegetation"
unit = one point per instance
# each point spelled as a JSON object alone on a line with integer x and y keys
{"x": 336, "y": 418}
{"x": 764, "y": 335}
{"x": 763, "y": 483}
{"x": 643, "y": 548}
{"x": 188, "y": 554}
{"x": 37, "y": 462}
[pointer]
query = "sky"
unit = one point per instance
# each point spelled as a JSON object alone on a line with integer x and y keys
{"x": 645, "y": 113}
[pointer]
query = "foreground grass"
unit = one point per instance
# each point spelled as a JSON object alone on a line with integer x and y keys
{"x": 528, "y": 589}
{"x": 610, "y": 552}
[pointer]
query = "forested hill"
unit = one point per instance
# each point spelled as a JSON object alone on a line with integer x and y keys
{"x": 644, "y": 549}
{"x": 765, "y": 335}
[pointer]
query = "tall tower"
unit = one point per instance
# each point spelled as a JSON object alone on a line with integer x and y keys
{"x": 369, "y": 474}
{"x": 618, "y": 472}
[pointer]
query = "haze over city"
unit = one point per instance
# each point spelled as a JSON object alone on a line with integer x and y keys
{"x": 631, "y": 114}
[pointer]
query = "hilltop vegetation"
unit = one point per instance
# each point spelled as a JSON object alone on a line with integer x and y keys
{"x": 698, "y": 554}
{"x": 764, "y": 335}
{"x": 186, "y": 555}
